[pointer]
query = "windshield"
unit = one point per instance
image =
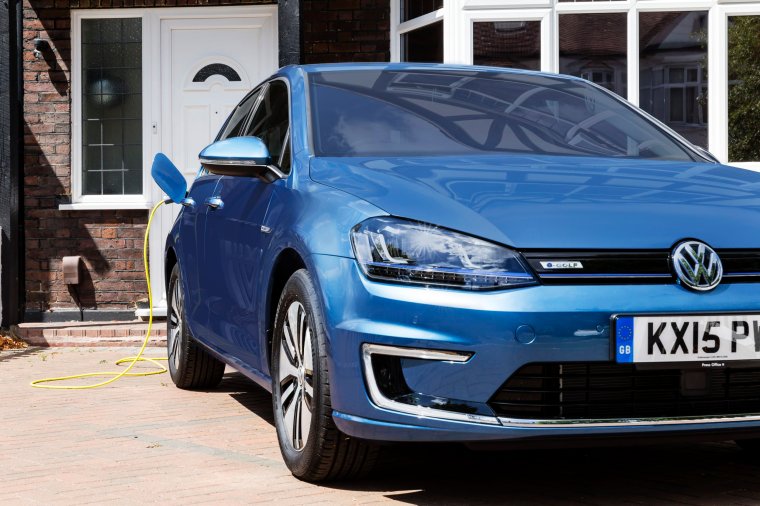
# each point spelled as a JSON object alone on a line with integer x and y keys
{"x": 382, "y": 113}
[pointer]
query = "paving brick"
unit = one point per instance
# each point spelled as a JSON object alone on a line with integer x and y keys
{"x": 142, "y": 440}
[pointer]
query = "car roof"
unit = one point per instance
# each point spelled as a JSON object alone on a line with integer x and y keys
{"x": 443, "y": 67}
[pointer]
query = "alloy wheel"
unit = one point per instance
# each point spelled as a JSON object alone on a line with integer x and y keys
{"x": 175, "y": 325}
{"x": 296, "y": 376}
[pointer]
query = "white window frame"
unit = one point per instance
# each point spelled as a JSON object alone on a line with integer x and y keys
{"x": 470, "y": 17}
{"x": 718, "y": 61}
{"x": 399, "y": 28}
{"x": 459, "y": 15}
{"x": 106, "y": 202}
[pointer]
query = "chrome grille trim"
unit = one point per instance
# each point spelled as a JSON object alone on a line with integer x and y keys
{"x": 633, "y": 422}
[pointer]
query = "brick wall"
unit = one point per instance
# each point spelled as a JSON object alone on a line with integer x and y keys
{"x": 345, "y": 30}
{"x": 110, "y": 242}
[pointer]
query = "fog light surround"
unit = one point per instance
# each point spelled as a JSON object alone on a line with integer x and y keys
{"x": 395, "y": 395}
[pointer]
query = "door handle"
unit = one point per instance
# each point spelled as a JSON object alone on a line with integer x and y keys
{"x": 214, "y": 202}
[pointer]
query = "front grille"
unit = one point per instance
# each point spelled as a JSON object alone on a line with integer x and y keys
{"x": 634, "y": 266}
{"x": 604, "y": 390}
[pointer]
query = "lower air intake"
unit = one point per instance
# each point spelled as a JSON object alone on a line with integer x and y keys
{"x": 603, "y": 390}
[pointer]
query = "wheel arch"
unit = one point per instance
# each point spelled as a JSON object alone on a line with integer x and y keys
{"x": 287, "y": 262}
{"x": 170, "y": 260}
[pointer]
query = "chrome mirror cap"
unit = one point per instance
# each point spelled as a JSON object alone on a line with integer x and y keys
{"x": 240, "y": 156}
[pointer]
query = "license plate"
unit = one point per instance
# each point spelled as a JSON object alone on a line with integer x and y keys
{"x": 710, "y": 339}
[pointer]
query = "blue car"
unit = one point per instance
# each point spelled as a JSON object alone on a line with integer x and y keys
{"x": 404, "y": 252}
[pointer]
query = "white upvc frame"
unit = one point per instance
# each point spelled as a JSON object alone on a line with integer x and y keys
{"x": 459, "y": 16}
{"x": 719, "y": 67}
{"x": 108, "y": 202}
{"x": 470, "y": 17}
{"x": 151, "y": 94}
{"x": 399, "y": 28}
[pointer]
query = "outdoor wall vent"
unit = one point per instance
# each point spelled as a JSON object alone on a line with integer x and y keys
{"x": 71, "y": 270}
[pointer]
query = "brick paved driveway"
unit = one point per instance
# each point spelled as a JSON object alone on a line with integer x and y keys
{"x": 142, "y": 440}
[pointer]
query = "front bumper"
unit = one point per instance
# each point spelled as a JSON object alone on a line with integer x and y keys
{"x": 500, "y": 332}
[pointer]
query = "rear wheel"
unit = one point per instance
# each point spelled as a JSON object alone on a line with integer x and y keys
{"x": 312, "y": 446}
{"x": 190, "y": 366}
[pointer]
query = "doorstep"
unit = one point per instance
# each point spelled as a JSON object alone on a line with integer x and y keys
{"x": 114, "y": 333}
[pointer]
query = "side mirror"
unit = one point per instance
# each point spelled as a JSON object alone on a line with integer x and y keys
{"x": 169, "y": 178}
{"x": 240, "y": 156}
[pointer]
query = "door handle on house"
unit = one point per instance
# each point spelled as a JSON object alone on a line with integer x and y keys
{"x": 215, "y": 202}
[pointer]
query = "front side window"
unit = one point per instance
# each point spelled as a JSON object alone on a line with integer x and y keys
{"x": 111, "y": 98}
{"x": 236, "y": 123}
{"x": 387, "y": 113}
{"x": 271, "y": 119}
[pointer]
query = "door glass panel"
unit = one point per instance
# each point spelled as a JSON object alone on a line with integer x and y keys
{"x": 743, "y": 88}
{"x": 238, "y": 117}
{"x": 673, "y": 76}
{"x": 514, "y": 44}
{"x": 601, "y": 58}
{"x": 270, "y": 120}
{"x": 111, "y": 106}
{"x": 423, "y": 45}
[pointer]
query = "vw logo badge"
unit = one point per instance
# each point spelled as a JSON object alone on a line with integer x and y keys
{"x": 697, "y": 265}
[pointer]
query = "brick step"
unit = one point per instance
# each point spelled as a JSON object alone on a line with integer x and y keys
{"x": 116, "y": 333}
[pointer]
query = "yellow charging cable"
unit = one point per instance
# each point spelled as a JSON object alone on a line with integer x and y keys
{"x": 132, "y": 360}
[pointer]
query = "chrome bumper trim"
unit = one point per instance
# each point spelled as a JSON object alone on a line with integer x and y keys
{"x": 423, "y": 354}
{"x": 456, "y": 357}
{"x": 632, "y": 422}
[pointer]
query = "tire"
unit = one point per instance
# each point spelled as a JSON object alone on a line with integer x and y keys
{"x": 312, "y": 446}
{"x": 190, "y": 366}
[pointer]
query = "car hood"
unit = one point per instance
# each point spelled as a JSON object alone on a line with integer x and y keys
{"x": 560, "y": 202}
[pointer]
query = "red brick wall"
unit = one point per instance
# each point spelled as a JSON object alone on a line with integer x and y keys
{"x": 110, "y": 242}
{"x": 345, "y": 30}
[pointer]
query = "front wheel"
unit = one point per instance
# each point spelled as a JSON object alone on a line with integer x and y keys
{"x": 312, "y": 446}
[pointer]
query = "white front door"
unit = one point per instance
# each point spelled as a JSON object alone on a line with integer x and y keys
{"x": 207, "y": 64}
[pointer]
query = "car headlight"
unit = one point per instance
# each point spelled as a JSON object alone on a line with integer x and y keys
{"x": 392, "y": 249}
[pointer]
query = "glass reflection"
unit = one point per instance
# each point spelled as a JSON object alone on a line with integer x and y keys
{"x": 423, "y": 45}
{"x": 514, "y": 44}
{"x": 673, "y": 76}
{"x": 601, "y": 58}
{"x": 112, "y": 106}
{"x": 411, "y": 9}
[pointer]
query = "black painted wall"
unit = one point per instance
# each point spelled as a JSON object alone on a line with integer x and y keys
{"x": 289, "y": 31}
{"x": 10, "y": 112}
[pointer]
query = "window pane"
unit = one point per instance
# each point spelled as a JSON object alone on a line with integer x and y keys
{"x": 423, "y": 45}
{"x": 744, "y": 88}
{"x": 673, "y": 77}
{"x": 601, "y": 58}
{"x": 239, "y": 115}
{"x": 515, "y": 44}
{"x": 112, "y": 106}
{"x": 270, "y": 120}
{"x": 413, "y": 8}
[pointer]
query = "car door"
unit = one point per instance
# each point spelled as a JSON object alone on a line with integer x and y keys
{"x": 193, "y": 226}
{"x": 234, "y": 236}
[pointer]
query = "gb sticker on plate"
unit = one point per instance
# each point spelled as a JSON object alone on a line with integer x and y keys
{"x": 624, "y": 339}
